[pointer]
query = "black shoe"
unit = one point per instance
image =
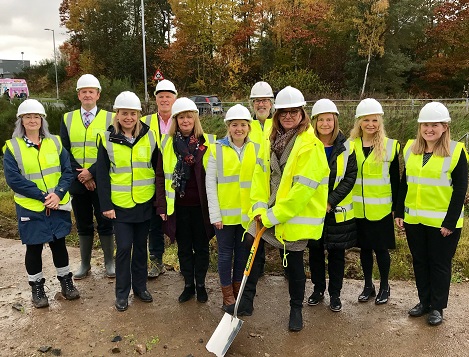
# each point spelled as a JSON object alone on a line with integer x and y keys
{"x": 69, "y": 291}
{"x": 419, "y": 310}
{"x": 144, "y": 296}
{"x": 122, "y": 304}
{"x": 336, "y": 304}
{"x": 201, "y": 293}
{"x": 368, "y": 291}
{"x": 187, "y": 293}
{"x": 315, "y": 298}
{"x": 435, "y": 317}
{"x": 244, "y": 309}
{"x": 296, "y": 319}
{"x": 383, "y": 295}
{"x": 39, "y": 297}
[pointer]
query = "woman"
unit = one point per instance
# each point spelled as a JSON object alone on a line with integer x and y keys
{"x": 289, "y": 197}
{"x": 181, "y": 197}
{"x": 430, "y": 207}
{"x": 374, "y": 195}
{"x": 340, "y": 230}
{"x": 37, "y": 169}
{"x": 228, "y": 182}
{"x": 127, "y": 157}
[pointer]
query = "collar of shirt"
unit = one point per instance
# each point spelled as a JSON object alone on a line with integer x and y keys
{"x": 164, "y": 127}
{"x": 92, "y": 111}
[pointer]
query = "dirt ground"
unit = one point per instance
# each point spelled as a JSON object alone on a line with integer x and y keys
{"x": 86, "y": 327}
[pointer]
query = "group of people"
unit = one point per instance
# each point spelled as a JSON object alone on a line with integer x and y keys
{"x": 296, "y": 175}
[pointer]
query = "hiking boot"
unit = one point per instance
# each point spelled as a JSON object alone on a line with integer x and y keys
{"x": 156, "y": 267}
{"x": 315, "y": 298}
{"x": 39, "y": 297}
{"x": 69, "y": 291}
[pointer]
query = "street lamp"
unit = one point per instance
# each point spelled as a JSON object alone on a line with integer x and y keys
{"x": 144, "y": 53}
{"x": 55, "y": 62}
{"x": 22, "y": 60}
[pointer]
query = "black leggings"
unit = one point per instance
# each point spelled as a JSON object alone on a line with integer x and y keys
{"x": 384, "y": 264}
{"x": 33, "y": 257}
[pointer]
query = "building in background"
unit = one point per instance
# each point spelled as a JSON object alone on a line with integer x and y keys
{"x": 8, "y": 68}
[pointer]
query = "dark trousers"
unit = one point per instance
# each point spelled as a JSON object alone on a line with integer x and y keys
{"x": 384, "y": 265}
{"x": 295, "y": 268}
{"x": 131, "y": 257}
{"x": 431, "y": 257}
{"x": 335, "y": 268}
{"x": 193, "y": 247}
{"x": 33, "y": 257}
{"x": 156, "y": 236}
{"x": 230, "y": 249}
{"x": 84, "y": 207}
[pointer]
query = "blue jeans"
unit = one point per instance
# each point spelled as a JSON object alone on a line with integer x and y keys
{"x": 229, "y": 245}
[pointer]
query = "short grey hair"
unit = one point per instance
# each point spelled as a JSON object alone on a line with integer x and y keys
{"x": 272, "y": 109}
{"x": 19, "y": 131}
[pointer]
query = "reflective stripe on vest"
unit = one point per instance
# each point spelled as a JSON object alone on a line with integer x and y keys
{"x": 429, "y": 187}
{"x": 83, "y": 140}
{"x": 344, "y": 210}
{"x": 131, "y": 172}
{"x": 169, "y": 162}
{"x": 39, "y": 166}
{"x": 234, "y": 178}
{"x": 153, "y": 121}
{"x": 372, "y": 195}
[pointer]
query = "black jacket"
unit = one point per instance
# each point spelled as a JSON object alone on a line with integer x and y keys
{"x": 341, "y": 235}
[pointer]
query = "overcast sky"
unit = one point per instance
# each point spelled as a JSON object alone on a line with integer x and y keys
{"x": 22, "y": 24}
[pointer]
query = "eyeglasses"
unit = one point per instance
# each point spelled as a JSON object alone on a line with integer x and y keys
{"x": 292, "y": 112}
{"x": 261, "y": 101}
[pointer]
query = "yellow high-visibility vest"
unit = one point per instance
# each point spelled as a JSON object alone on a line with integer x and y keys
{"x": 261, "y": 136}
{"x": 301, "y": 200}
{"x": 131, "y": 172}
{"x": 429, "y": 187}
{"x": 344, "y": 210}
{"x": 153, "y": 122}
{"x": 83, "y": 140}
{"x": 39, "y": 166}
{"x": 234, "y": 178}
{"x": 372, "y": 195}
{"x": 169, "y": 163}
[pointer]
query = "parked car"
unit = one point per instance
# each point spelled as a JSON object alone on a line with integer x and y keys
{"x": 207, "y": 104}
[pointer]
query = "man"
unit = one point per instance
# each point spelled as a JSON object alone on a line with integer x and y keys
{"x": 262, "y": 99}
{"x": 78, "y": 132}
{"x": 165, "y": 95}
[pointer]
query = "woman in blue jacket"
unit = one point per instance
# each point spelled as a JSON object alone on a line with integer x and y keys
{"x": 37, "y": 169}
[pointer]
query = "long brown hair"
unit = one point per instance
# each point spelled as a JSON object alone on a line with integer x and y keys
{"x": 304, "y": 124}
{"x": 441, "y": 148}
{"x": 336, "y": 130}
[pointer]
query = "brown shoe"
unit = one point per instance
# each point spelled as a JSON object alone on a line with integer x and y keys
{"x": 236, "y": 287}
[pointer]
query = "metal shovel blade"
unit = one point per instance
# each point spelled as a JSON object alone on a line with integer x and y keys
{"x": 224, "y": 335}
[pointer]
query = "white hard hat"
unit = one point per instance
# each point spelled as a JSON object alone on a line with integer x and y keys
{"x": 165, "y": 86}
{"x": 238, "y": 111}
{"x": 183, "y": 104}
{"x": 88, "y": 81}
{"x": 261, "y": 90}
{"x": 289, "y": 97}
{"x": 434, "y": 112}
{"x": 31, "y": 106}
{"x": 368, "y": 106}
{"x": 324, "y": 106}
{"x": 127, "y": 100}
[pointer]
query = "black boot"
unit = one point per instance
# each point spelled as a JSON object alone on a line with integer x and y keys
{"x": 187, "y": 293}
{"x": 39, "y": 297}
{"x": 202, "y": 295}
{"x": 69, "y": 291}
{"x": 297, "y": 294}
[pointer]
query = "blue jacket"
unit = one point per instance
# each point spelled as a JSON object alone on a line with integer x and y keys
{"x": 37, "y": 227}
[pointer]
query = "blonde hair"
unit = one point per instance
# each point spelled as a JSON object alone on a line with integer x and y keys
{"x": 441, "y": 148}
{"x": 198, "y": 131}
{"x": 378, "y": 139}
{"x": 304, "y": 124}
{"x": 118, "y": 128}
{"x": 336, "y": 130}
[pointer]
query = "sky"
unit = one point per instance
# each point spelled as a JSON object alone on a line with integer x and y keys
{"x": 22, "y": 29}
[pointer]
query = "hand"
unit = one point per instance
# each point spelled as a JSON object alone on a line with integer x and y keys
{"x": 258, "y": 218}
{"x": 218, "y": 225}
{"x": 399, "y": 223}
{"x": 328, "y": 209}
{"x": 90, "y": 185}
{"x": 111, "y": 214}
{"x": 84, "y": 175}
{"x": 164, "y": 217}
{"x": 445, "y": 231}
{"x": 52, "y": 201}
